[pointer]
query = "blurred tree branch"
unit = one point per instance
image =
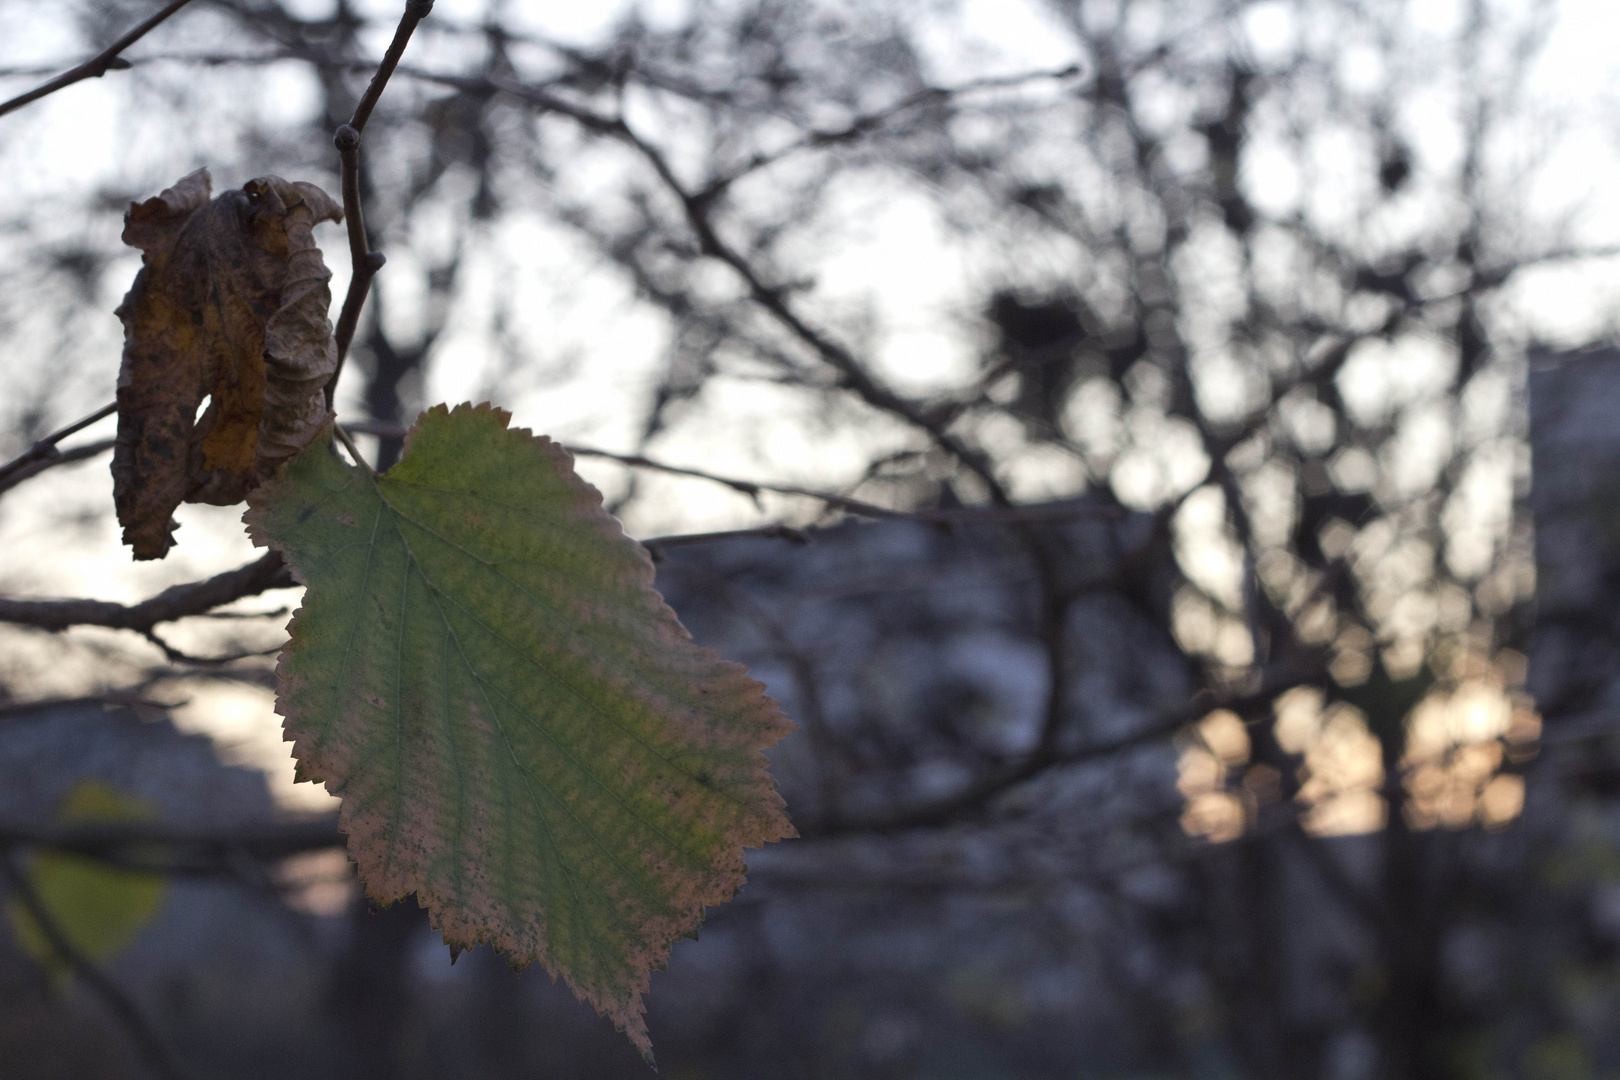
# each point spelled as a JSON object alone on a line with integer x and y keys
{"x": 94, "y": 68}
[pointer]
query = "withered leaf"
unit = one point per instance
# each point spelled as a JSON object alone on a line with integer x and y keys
{"x": 230, "y": 306}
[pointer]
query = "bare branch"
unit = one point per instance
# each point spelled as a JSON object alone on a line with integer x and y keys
{"x": 175, "y": 602}
{"x": 982, "y": 791}
{"x": 125, "y": 699}
{"x": 866, "y": 124}
{"x": 366, "y": 262}
{"x": 50, "y": 461}
{"x": 753, "y": 488}
{"x": 177, "y": 656}
{"x": 852, "y": 374}
{"x": 415, "y": 12}
{"x": 98, "y": 65}
{"x": 655, "y": 547}
{"x": 45, "y": 448}
{"x": 996, "y": 782}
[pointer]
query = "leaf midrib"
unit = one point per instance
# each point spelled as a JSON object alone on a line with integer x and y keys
{"x": 530, "y": 780}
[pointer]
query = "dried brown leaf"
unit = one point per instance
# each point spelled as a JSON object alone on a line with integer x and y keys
{"x": 230, "y": 306}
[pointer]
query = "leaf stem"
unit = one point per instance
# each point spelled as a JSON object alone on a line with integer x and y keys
{"x": 354, "y": 451}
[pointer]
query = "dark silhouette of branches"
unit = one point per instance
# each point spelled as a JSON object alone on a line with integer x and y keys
{"x": 175, "y": 602}
{"x": 1162, "y": 423}
{"x": 44, "y": 453}
{"x": 42, "y": 463}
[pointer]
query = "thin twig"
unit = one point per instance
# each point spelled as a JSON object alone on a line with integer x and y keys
{"x": 198, "y": 598}
{"x": 151, "y": 1048}
{"x": 988, "y": 787}
{"x": 415, "y": 12}
{"x": 871, "y": 122}
{"x": 963, "y": 516}
{"x": 178, "y": 656}
{"x": 65, "y": 457}
{"x": 46, "y": 448}
{"x": 981, "y": 792}
{"x": 852, "y": 373}
{"x": 365, "y": 262}
{"x": 98, "y": 65}
{"x": 753, "y": 488}
{"x": 176, "y": 602}
{"x": 750, "y": 488}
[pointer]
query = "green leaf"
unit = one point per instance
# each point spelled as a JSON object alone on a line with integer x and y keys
{"x": 521, "y": 731}
{"x": 98, "y": 908}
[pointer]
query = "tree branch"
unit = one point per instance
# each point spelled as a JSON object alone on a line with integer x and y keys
{"x": 981, "y": 792}
{"x": 33, "y": 468}
{"x": 126, "y": 699}
{"x": 45, "y": 449}
{"x": 365, "y": 262}
{"x": 175, "y": 602}
{"x": 852, "y": 374}
{"x": 870, "y": 122}
{"x": 98, "y": 65}
{"x": 178, "y": 656}
{"x": 753, "y": 489}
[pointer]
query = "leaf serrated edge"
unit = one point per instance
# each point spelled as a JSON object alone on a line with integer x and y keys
{"x": 627, "y": 1015}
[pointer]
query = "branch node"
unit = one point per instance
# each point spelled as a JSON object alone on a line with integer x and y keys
{"x": 374, "y": 261}
{"x": 346, "y": 138}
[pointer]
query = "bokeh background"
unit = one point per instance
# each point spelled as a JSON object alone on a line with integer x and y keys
{"x": 1206, "y": 655}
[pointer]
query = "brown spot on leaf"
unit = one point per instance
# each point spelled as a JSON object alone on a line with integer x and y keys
{"x": 377, "y": 700}
{"x": 230, "y": 305}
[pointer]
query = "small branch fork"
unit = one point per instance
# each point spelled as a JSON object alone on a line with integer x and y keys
{"x": 852, "y": 374}
{"x": 43, "y": 454}
{"x": 97, "y": 66}
{"x": 366, "y": 262}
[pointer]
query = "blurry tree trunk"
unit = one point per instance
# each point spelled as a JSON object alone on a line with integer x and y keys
{"x": 370, "y": 989}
